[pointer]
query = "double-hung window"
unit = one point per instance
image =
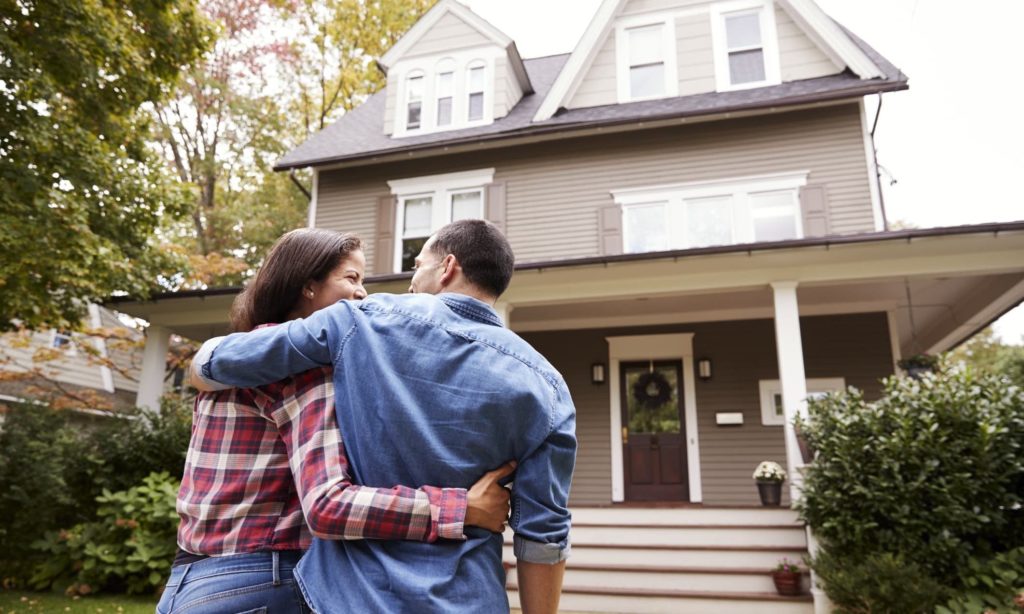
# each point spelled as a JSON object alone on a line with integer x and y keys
{"x": 445, "y": 93}
{"x": 688, "y": 216}
{"x": 746, "y": 53}
{"x": 646, "y": 60}
{"x": 772, "y": 412}
{"x": 475, "y": 84}
{"x": 425, "y": 204}
{"x": 414, "y": 102}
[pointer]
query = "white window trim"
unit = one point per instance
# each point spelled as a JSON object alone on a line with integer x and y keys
{"x": 439, "y": 188}
{"x": 770, "y": 387}
{"x": 422, "y": 76}
{"x": 676, "y": 193}
{"x": 654, "y": 347}
{"x": 668, "y": 45}
{"x": 459, "y": 63}
{"x": 769, "y": 42}
{"x": 69, "y": 349}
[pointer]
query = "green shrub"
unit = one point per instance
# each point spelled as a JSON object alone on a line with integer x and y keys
{"x": 995, "y": 585}
{"x": 129, "y": 547}
{"x": 878, "y": 583}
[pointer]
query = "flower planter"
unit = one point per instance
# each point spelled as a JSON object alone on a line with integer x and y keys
{"x": 786, "y": 582}
{"x": 770, "y": 492}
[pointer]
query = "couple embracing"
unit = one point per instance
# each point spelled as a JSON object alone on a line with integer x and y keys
{"x": 280, "y": 513}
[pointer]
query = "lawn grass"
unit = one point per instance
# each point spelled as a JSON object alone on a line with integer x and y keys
{"x": 27, "y": 602}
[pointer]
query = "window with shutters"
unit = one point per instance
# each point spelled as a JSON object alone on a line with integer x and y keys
{"x": 646, "y": 58}
{"x": 704, "y": 214}
{"x": 745, "y": 48}
{"x": 425, "y": 204}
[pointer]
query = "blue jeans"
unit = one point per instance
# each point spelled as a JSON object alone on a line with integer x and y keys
{"x": 253, "y": 583}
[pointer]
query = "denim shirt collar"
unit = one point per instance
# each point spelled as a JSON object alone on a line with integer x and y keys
{"x": 469, "y": 307}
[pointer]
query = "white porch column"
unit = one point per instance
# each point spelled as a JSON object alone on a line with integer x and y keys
{"x": 504, "y": 312}
{"x": 154, "y": 364}
{"x": 791, "y": 374}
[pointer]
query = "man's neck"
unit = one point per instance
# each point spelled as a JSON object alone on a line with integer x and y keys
{"x": 472, "y": 293}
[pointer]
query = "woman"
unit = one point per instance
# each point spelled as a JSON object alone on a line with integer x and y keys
{"x": 266, "y": 469}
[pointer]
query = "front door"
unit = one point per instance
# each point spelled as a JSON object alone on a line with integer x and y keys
{"x": 653, "y": 434}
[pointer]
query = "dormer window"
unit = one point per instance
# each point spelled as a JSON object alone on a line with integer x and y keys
{"x": 646, "y": 59}
{"x": 445, "y": 92}
{"x": 475, "y": 84}
{"x": 414, "y": 101}
{"x": 746, "y": 53}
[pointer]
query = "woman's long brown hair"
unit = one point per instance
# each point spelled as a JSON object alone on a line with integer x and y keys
{"x": 298, "y": 257}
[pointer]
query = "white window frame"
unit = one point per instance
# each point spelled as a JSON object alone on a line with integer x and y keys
{"x": 770, "y": 387}
{"x": 445, "y": 66}
{"x": 769, "y": 43}
{"x": 68, "y": 348}
{"x": 440, "y": 188}
{"x": 458, "y": 63}
{"x": 422, "y": 76}
{"x": 739, "y": 189}
{"x": 668, "y": 32}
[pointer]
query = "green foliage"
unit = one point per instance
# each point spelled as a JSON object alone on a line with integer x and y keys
{"x": 876, "y": 583}
{"x": 996, "y": 585}
{"x": 933, "y": 473}
{"x": 82, "y": 195}
{"x": 53, "y": 466}
{"x": 128, "y": 547}
{"x": 986, "y": 353}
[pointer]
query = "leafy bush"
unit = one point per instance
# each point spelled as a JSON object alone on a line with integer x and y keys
{"x": 129, "y": 547}
{"x": 877, "y": 583}
{"x": 933, "y": 472}
{"x": 995, "y": 585}
{"x": 54, "y": 464}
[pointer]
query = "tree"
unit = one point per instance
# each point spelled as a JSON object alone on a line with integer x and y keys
{"x": 82, "y": 196}
{"x": 987, "y": 353}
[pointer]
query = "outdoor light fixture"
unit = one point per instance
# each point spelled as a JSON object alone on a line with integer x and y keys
{"x": 704, "y": 368}
{"x": 597, "y": 373}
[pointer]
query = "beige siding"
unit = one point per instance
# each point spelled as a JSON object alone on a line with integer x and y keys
{"x": 695, "y": 53}
{"x": 390, "y": 104}
{"x": 598, "y": 87}
{"x": 799, "y": 56}
{"x": 637, "y": 7}
{"x": 852, "y": 346}
{"x": 507, "y": 91}
{"x": 127, "y": 354}
{"x": 73, "y": 369}
{"x": 448, "y": 34}
{"x": 555, "y": 190}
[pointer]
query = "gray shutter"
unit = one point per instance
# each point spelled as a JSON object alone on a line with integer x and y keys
{"x": 814, "y": 208}
{"x": 384, "y": 240}
{"x": 609, "y": 221}
{"x": 494, "y": 206}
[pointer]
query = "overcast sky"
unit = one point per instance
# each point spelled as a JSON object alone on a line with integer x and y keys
{"x": 954, "y": 143}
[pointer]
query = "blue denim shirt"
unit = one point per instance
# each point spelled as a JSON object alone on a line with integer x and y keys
{"x": 428, "y": 390}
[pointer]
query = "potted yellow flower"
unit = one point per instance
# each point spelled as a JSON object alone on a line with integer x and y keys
{"x": 769, "y": 476}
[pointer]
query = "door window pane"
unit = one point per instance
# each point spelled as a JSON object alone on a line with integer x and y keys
{"x": 645, "y": 228}
{"x": 467, "y": 205}
{"x": 709, "y": 221}
{"x": 652, "y": 399}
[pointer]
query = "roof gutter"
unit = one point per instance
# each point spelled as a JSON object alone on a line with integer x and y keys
{"x": 554, "y": 129}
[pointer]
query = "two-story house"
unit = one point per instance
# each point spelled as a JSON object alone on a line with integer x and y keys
{"x": 701, "y": 244}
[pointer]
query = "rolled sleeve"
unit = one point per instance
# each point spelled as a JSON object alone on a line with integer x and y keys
{"x": 201, "y": 364}
{"x": 539, "y": 552}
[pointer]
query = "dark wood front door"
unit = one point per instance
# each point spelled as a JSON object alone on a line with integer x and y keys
{"x": 654, "y": 435}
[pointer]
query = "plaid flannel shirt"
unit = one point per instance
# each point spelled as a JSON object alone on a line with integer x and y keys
{"x": 266, "y": 470}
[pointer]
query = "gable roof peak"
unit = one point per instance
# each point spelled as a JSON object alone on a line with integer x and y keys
{"x": 434, "y": 15}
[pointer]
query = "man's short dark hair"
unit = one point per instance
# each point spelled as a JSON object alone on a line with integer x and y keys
{"x": 483, "y": 252}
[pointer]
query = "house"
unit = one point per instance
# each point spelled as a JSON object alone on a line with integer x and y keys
{"x": 701, "y": 242}
{"x": 96, "y": 369}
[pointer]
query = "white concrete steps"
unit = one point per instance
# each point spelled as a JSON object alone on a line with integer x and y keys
{"x": 679, "y": 560}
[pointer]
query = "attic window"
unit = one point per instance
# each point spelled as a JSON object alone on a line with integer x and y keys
{"x": 475, "y": 89}
{"x": 445, "y": 89}
{"x": 746, "y": 49}
{"x": 414, "y": 104}
{"x": 743, "y": 45}
{"x": 646, "y": 62}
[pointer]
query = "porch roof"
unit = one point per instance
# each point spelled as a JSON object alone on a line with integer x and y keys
{"x": 941, "y": 284}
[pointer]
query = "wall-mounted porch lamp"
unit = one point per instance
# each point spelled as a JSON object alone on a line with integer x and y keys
{"x": 704, "y": 369}
{"x": 597, "y": 373}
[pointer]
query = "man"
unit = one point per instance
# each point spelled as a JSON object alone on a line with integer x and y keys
{"x": 431, "y": 388}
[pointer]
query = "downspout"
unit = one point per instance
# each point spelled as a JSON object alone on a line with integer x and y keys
{"x": 878, "y": 171}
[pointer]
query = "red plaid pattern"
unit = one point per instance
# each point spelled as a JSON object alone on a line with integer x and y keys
{"x": 263, "y": 459}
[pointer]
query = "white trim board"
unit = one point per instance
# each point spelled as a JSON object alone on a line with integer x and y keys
{"x": 654, "y": 347}
{"x": 428, "y": 21}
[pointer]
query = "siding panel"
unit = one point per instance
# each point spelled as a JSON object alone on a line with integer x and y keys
{"x": 799, "y": 56}
{"x": 448, "y": 34}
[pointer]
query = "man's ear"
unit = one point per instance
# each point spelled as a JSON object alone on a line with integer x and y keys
{"x": 451, "y": 266}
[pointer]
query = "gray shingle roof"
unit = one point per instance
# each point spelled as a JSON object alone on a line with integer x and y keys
{"x": 360, "y": 133}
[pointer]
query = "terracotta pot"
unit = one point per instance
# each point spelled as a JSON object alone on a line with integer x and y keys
{"x": 786, "y": 582}
{"x": 771, "y": 493}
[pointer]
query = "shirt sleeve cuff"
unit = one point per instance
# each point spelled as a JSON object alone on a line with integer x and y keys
{"x": 203, "y": 358}
{"x": 448, "y": 510}
{"x": 538, "y": 552}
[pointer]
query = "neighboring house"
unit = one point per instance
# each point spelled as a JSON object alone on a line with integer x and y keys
{"x": 98, "y": 372}
{"x": 693, "y": 200}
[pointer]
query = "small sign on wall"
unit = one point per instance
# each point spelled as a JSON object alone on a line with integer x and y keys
{"x": 729, "y": 418}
